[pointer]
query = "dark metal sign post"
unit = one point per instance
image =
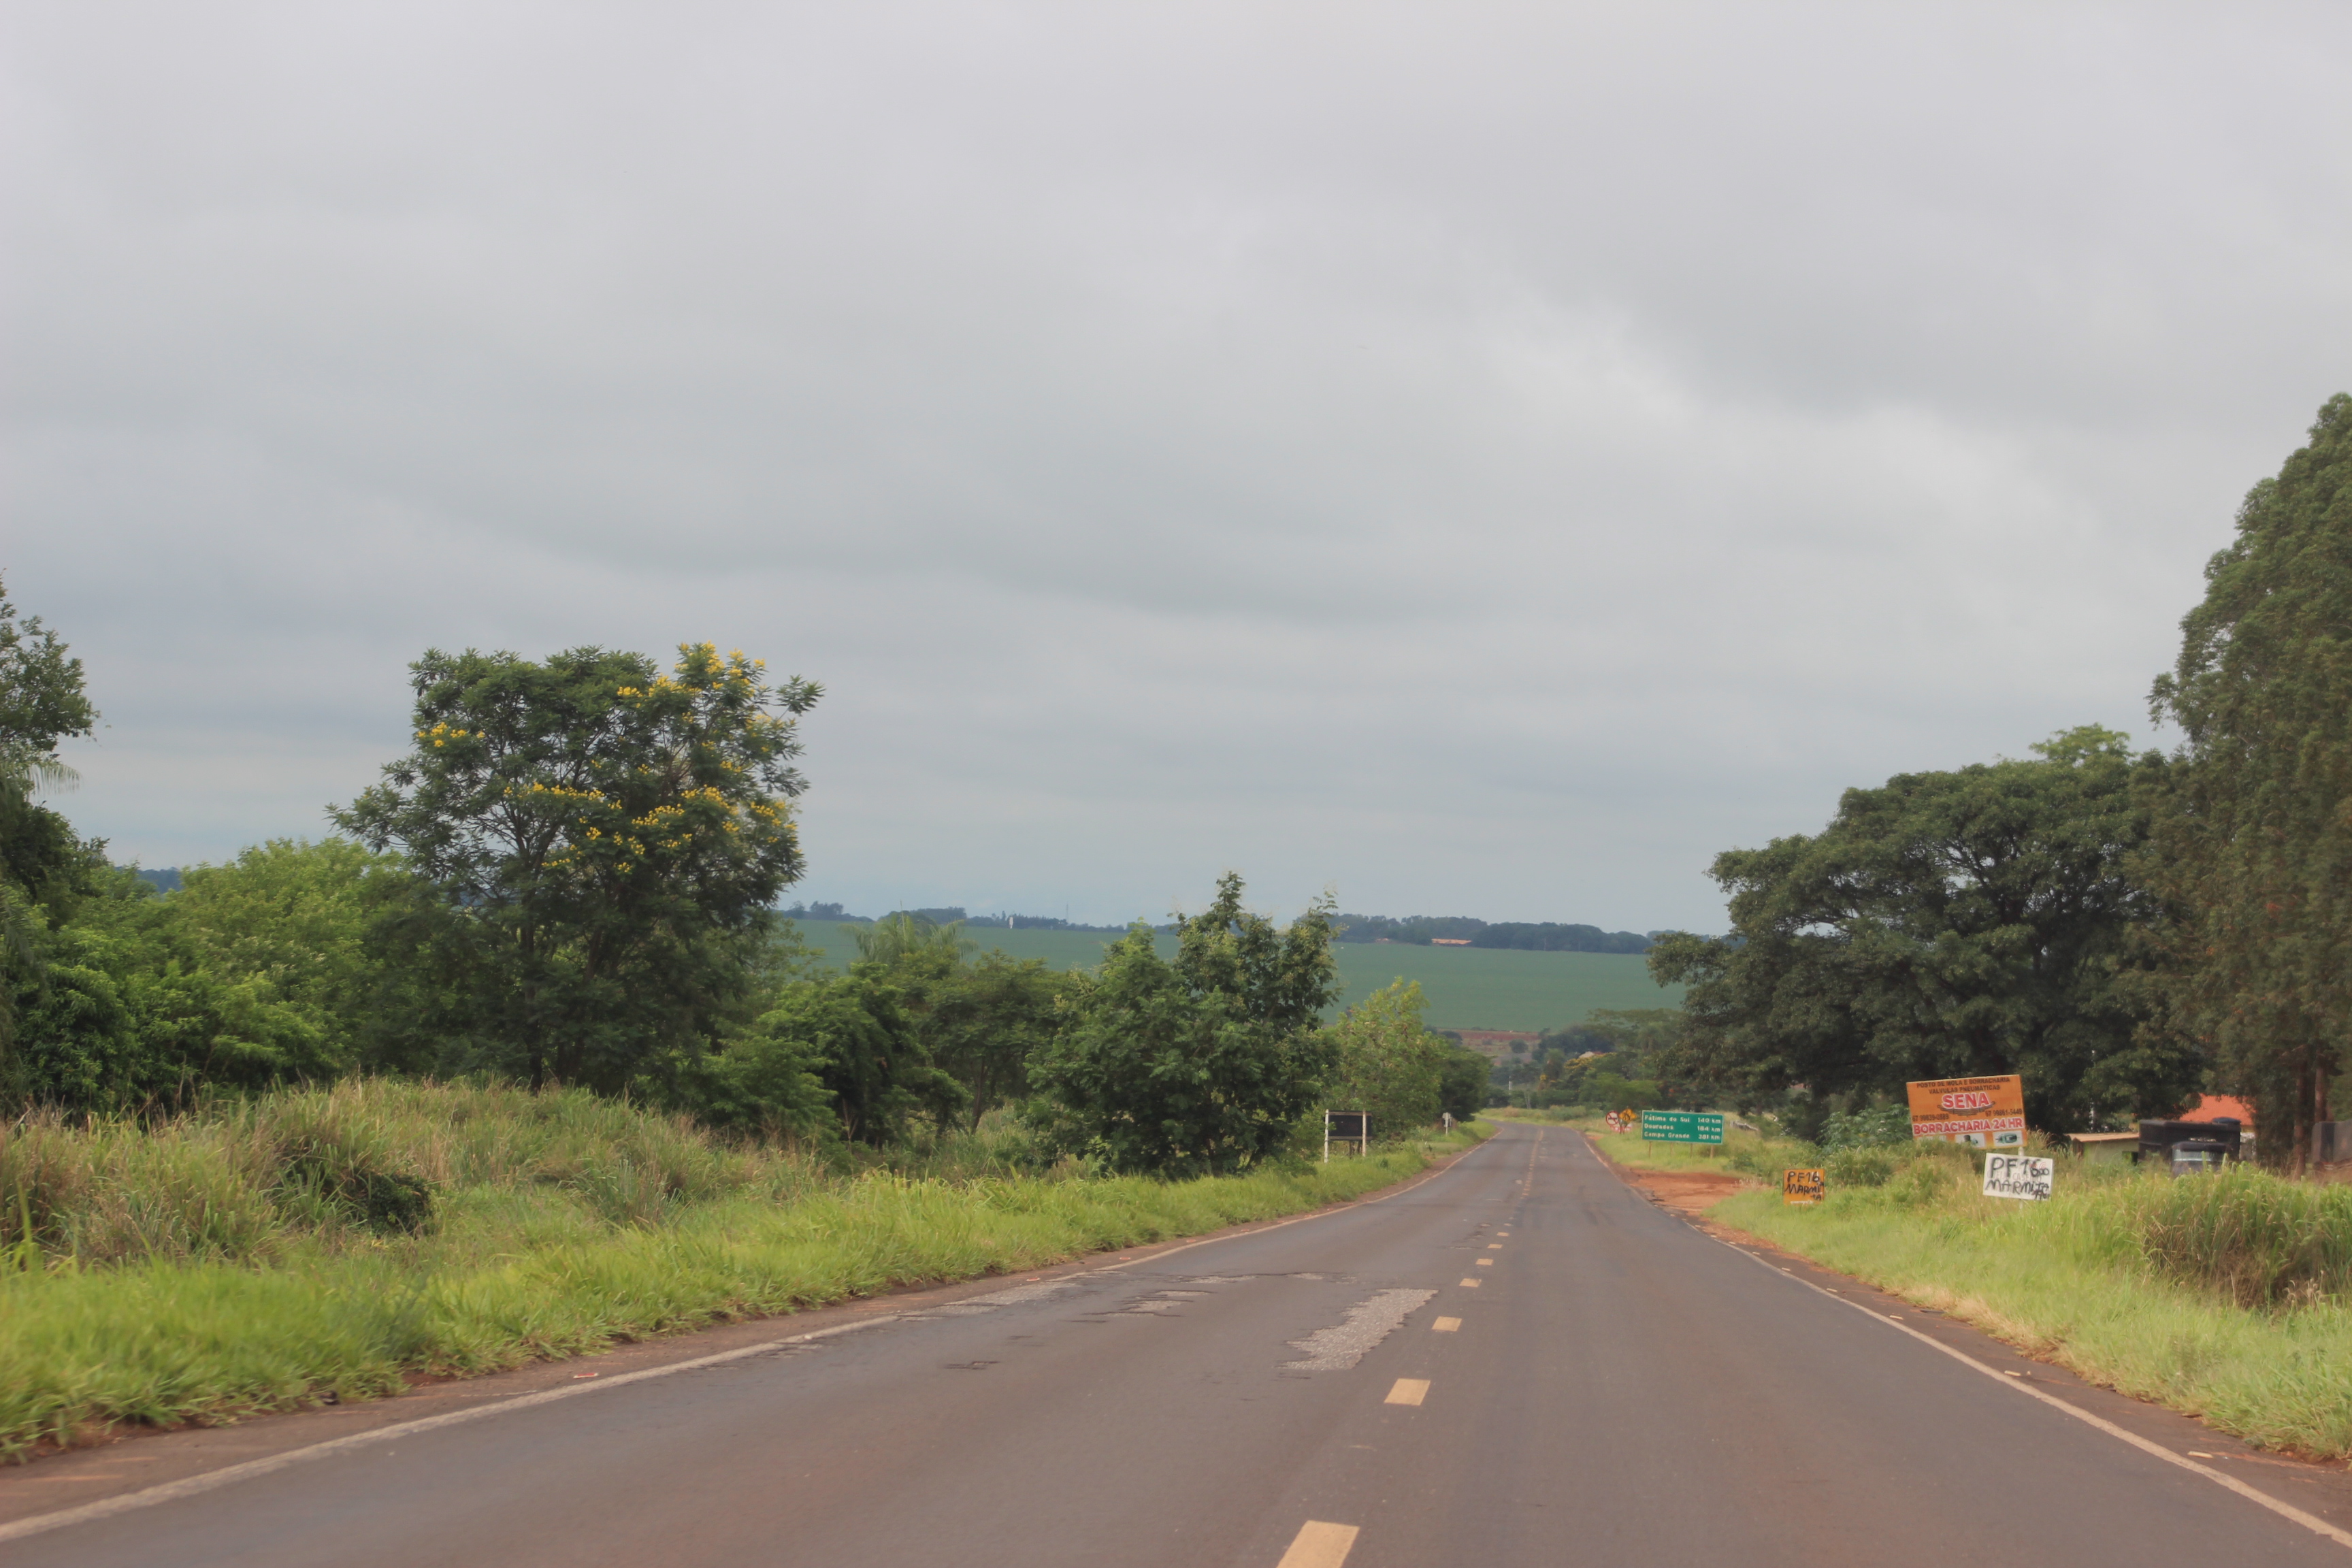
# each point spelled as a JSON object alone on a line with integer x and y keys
{"x": 1349, "y": 1127}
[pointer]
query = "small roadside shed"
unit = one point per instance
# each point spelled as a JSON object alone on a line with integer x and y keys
{"x": 2106, "y": 1148}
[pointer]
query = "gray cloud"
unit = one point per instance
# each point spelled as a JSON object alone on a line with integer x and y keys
{"x": 1487, "y": 458}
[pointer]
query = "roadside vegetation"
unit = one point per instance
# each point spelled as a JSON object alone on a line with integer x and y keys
{"x": 2125, "y": 931}
{"x": 2227, "y": 1297}
{"x": 284, "y": 1249}
{"x": 527, "y": 1063}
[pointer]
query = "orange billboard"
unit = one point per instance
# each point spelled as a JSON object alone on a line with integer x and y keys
{"x": 1988, "y": 1112}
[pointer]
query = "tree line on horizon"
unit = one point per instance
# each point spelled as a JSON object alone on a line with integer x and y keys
{"x": 1534, "y": 936}
{"x": 2128, "y": 930}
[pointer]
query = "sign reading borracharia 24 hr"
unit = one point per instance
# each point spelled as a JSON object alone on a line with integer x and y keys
{"x": 1988, "y": 1112}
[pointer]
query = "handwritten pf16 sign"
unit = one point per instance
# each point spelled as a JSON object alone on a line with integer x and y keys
{"x": 2018, "y": 1176}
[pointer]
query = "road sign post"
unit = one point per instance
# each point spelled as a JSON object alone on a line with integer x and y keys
{"x": 1682, "y": 1126}
{"x": 1349, "y": 1127}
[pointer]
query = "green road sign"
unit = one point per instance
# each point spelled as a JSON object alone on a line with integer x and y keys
{"x": 1683, "y": 1126}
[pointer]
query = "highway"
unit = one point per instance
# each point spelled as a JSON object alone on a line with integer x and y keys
{"x": 1518, "y": 1360}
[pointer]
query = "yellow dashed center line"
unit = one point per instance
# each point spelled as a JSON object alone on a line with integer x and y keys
{"x": 1470, "y": 1284}
{"x": 1494, "y": 1246}
{"x": 1485, "y": 1263}
{"x": 1318, "y": 1544}
{"x": 1408, "y": 1391}
{"x": 1447, "y": 1326}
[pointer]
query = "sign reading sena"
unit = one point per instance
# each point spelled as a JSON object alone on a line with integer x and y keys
{"x": 1985, "y": 1111}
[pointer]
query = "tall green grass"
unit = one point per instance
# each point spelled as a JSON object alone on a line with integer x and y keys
{"x": 216, "y": 1265}
{"x": 2228, "y": 1297}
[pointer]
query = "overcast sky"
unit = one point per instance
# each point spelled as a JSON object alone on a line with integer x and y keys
{"x": 1487, "y": 458}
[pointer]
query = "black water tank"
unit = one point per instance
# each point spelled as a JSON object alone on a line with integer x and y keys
{"x": 2198, "y": 1156}
{"x": 2156, "y": 1137}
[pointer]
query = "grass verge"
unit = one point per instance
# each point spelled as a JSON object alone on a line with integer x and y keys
{"x": 218, "y": 1266}
{"x": 2221, "y": 1297}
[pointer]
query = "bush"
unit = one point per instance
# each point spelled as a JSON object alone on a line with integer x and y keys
{"x": 1767, "y": 1158}
{"x": 1855, "y": 1166}
{"x": 1200, "y": 1066}
{"x": 1876, "y": 1127}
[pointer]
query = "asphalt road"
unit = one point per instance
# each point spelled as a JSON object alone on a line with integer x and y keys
{"x": 1519, "y": 1360}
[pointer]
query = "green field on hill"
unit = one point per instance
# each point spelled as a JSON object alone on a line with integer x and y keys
{"x": 1467, "y": 988}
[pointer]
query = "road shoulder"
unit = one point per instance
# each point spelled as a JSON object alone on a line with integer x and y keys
{"x": 133, "y": 1459}
{"x": 2319, "y": 1488}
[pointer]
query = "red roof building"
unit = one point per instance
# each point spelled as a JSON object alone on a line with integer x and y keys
{"x": 2213, "y": 1107}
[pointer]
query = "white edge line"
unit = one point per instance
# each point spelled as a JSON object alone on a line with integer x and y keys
{"x": 229, "y": 1475}
{"x": 252, "y": 1469}
{"x": 2286, "y": 1511}
{"x": 1422, "y": 1179}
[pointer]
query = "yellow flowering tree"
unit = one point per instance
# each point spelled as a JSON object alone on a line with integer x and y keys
{"x": 607, "y": 837}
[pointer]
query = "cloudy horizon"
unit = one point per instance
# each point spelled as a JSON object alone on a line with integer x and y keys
{"x": 1482, "y": 460}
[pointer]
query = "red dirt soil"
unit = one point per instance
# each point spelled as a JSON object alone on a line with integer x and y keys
{"x": 1691, "y": 1191}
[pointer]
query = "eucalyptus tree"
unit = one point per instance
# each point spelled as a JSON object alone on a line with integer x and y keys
{"x": 2253, "y": 846}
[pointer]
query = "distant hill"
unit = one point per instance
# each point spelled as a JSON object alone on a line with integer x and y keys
{"x": 1420, "y": 930}
{"x": 946, "y": 915}
{"x": 1543, "y": 936}
{"x": 1466, "y": 987}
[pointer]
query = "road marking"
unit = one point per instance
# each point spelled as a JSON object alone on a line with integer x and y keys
{"x": 1408, "y": 1391}
{"x": 1366, "y": 1325}
{"x": 1447, "y": 1326}
{"x": 1494, "y": 1246}
{"x": 1469, "y": 1284}
{"x": 193, "y": 1484}
{"x": 2286, "y": 1510}
{"x": 1318, "y": 1545}
{"x": 1485, "y": 1263}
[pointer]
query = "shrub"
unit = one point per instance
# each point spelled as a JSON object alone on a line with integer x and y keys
{"x": 1875, "y": 1127}
{"x": 1856, "y": 1166}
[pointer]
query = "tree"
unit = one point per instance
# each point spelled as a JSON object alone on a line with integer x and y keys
{"x": 912, "y": 935}
{"x": 43, "y": 866}
{"x": 1462, "y": 1083}
{"x": 1948, "y": 925}
{"x": 988, "y": 1020}
{"x": 1389, "y": 1063}
{"x": 41, "y": 698}
{"x": 304, "y": 919}
{"x": 606, "y": 840}
{"x": 41, "y": 703}
{"x": 1204, "y": 1064}
{"x": 855, "y": 1036}
{"x": 2253, "y": 843}
{"x": 980, "y": 1023}
{"x": 118, "y": 1009}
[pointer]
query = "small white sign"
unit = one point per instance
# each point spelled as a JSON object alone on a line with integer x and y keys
{"x": 2018, "y": 1176}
